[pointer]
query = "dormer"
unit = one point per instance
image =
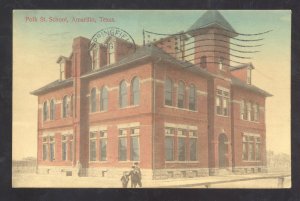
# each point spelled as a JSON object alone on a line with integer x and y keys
{"x": 117, "y": 49}
{"x": 109, "y": 51}
{"x": 98, "y": 54}
{"x": 243, "y": 72}
{"x": 65, "y": 67}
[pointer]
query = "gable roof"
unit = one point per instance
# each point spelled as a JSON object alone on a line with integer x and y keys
{"x": 213, "y": 18}
{"x": 147, "y": 54}
{"x": 144, "y": 53}
{"x": 53, "y": 85}
{"x": 239, "y": 83}
{"x": 246, "y": 65}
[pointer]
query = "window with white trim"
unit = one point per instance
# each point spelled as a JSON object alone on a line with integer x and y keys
{"x": 45, "y": 111}
{"x": 66, "y": 107}
{"x": 245, "y": 148}
{"x": 135, "y": 91}
{"x": 181, "y": 95}
{"x": 222, "y": 102}
{"x": 123, "y": 94}
{"x": 52, "y": 110}
{"x": 168, "y": 92}
{"x": 221, "y": 63}
{"x": 52, "y": 148}
{"x": 103, "y": 145}
{"x": 192, "y": 97}
{"x": 251, "y": 145}
{"x": 45, "y": 148}
{"x": 122, "y": 156}
{"x": 134, "y": 144}
{"x": 181, "y": 144}
{"x": 64, "y": 147}
{"x": 193, "y": 138}
{"x": 93, "y": 100}
{"x": 103, "y": 99}
{"x": 249, "y": 111}
{"x": 257, "y": 149}
{"x": 92, "y": 146}
{"x": 111, "y": 53}
{"x": 169, "y": 144}
{"x": 71, "y": 147}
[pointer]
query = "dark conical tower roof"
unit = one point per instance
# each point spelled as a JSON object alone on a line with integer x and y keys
{"x": 213, "y": 18}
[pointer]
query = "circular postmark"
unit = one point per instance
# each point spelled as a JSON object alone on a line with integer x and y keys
{"x": 101, "y": 37}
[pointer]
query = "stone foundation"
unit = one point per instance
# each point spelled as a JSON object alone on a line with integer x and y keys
{"x": 148, "y": 174}
{"x": 179, "y": 173}
{"x": 250, "y": 169}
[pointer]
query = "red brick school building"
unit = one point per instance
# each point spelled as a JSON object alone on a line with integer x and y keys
{"x": 114, "y": 105}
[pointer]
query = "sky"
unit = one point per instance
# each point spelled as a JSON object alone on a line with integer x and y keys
{"x": 37, "y": 45}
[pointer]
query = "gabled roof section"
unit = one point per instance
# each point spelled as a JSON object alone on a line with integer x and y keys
{"x": 213, "y": 18}
{"x": 142, "y": 54}
{"x": 239, "y": 83}
{"x": 51, "y": 86}
{"x": 246, "y": 65}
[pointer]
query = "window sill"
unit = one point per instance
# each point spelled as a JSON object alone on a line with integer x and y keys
{"x": 251, "y": 161}
{"x": 257, "y": 122}
{"x": 178, "y": 108}
{"x": 220, "y": 115}
{"x": 181, "y": 161}
{"x": 128, "y": 161}
{"x": 130, "y": 106}
{"x": 98, "y": 112}
{"x": 96, "y": 162}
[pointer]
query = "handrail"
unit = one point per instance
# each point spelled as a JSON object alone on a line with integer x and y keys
{"x": 208, "y": 184}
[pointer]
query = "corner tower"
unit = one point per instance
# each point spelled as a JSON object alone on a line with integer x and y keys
{"x": 212, "y": 34}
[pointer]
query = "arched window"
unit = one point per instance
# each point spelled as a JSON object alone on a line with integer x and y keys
{"x": 221, "y": 62}
{"x": 135, "y": 91}
{"x": 192, "y": 98}
{"x": 168, "y": 92}
{"x": 52, "y": 110}
{"x": 111, "y": 52}
{"x": 45, "y": 111}
{"x": 93, "y": 100}
{"x": 123, "y": 94}
{"x": 66, "y": 106}
{"x": 103, "y": 99}
{"x": 181, "y": 92}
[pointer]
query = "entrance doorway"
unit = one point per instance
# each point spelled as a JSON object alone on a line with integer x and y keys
{"x": 223, "y": 151}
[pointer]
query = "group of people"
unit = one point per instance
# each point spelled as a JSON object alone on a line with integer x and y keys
{"x": 134, "y": 175}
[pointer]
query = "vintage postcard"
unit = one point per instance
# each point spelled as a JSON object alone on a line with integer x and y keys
{"x": 151, "y": 98}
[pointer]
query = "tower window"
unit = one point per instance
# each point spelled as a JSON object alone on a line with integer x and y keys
{"x": 221, "y": 63}
{"x": 203, "y": 61}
